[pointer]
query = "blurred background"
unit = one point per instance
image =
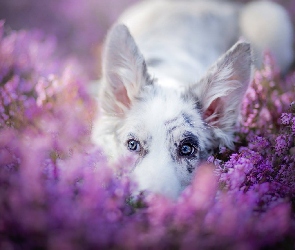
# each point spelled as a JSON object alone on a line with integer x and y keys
{"x": 77, "y": 26}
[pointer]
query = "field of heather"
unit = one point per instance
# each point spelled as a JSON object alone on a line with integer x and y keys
{"x": 57, "y": 190}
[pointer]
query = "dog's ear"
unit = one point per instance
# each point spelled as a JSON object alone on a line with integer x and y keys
{"x": 124, "y": 71}
{"x": 222, "y": 90}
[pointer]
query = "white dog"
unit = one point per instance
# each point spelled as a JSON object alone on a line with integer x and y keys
{"x": 172, "y": 84}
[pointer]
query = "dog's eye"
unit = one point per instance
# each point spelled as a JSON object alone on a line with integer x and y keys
{"x": 186, "y": 149}
{"x": 133, "y": 145}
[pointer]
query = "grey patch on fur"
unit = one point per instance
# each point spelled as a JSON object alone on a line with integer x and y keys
{"x": 169, "y": 131}
{"x": 173, "y": 157}
{"x": 148, "y": 79}
{"x": 204, "y": 154}
{"x": 198, "y": 105}
{"x": 153, "y": 62}
{"x": 173, "y": 124}
{"x": 144, "y": 153}
{"x": 190, "y": 168}
{"x": 188, "y": 95}
{"x": 171, "y": 121}
{"x": 193, "y": 137}
{"x": 188, "y": 120}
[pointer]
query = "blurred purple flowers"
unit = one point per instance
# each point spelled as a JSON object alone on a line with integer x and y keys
{"x": 58, "y": 192}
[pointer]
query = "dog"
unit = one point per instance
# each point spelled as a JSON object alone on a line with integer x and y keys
{"x": 174, "y": 74}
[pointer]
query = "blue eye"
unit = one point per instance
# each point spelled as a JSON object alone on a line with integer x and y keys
{"x": 133, "y": 145}
{"x": 186, "y": 149}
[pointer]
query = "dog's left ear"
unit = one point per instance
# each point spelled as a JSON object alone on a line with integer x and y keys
{"x": 222, "y": 90}
{"x": 124, "y": 71}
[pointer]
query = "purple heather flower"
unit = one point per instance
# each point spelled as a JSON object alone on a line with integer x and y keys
{"x": 282, "y": 144}
{"x": 286, "y": 118}
{"x": 58, "y": 191}
{"x": 293, "y": 125}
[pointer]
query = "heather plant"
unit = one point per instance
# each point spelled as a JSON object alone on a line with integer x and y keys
{"x": 57, "y": 190}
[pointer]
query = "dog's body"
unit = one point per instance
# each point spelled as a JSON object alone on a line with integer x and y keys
{"x": 167, "y": 106}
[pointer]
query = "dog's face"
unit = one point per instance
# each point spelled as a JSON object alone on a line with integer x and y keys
{"x": 165, "y": 132}
{"x": 169, "y": 132}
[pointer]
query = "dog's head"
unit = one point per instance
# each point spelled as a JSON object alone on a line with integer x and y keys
{"x": 168, "y": 131}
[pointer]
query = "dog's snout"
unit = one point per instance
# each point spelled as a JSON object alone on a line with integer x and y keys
{"x": 157, "y": 176}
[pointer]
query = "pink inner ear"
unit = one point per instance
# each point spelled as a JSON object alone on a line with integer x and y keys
{"x": 214, "y": 108}
{"x": 120, "y": 92}
{"x": 122, "y": 97}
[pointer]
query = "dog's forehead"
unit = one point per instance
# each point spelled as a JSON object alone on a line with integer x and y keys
{"x": 165, "y": 109}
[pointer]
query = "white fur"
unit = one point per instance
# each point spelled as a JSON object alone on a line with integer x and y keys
{"x": 158, "y": 171}
{"x": 164, "y": 88}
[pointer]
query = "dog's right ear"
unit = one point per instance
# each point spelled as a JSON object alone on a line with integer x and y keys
{"x": 124, "y": 71}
